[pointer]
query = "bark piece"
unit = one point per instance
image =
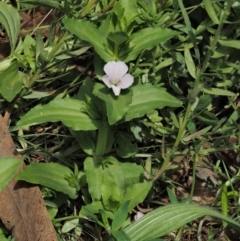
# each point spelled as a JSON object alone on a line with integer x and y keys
{"x": 22, "y": 209}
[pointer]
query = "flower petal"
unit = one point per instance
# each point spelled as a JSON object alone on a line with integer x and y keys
{"x": 126, "y": 81}
{"x": 115, "y": 70}
{"x": 116, "y": 90}
{"x": 138, "y": 216}
{"x": 106, "y": 81}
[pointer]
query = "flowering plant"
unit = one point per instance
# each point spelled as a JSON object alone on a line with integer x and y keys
{"x": 144, "y": 99}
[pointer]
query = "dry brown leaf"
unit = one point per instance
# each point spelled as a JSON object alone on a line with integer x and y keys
{"x": 22, "y": 209}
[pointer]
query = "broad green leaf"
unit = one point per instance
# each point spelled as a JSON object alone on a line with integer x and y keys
{"x": 132, "y": 172}
{"x": 94, "y": 207}
{"x": 189, "y": 62}
{"x": 85, "y": 30}
{"x": 117, "y": 106}
{"x": 10, "y": 20}
{"x": 230, "y": 43}
{"x": 11, "y": 82}
{"x": 136, "y": 193}
{"x": 69, "y": 225}
{"x": 125, "y": 147}
{"x": 86, "y": 140}
{"x": 165, "y": 220}
{"x": 114, "y": 178}
{"x": 145, "y": 39}
{"x": 120, "y": 216}
{"x": 94, "y": 176}
{"x": 8, "y": 168}
{"x": 149, "y": 97}
{"x": 86, "y": 95}
{"x": 211, "y": 11}
{"x": 3, "y": 236}
{"x": 52, "y": 175}
{"x": 69, "y": 111}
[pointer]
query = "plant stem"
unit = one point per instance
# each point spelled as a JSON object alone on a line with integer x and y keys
{"x": 223, "y": 17}
{"x": 102, "y": 139}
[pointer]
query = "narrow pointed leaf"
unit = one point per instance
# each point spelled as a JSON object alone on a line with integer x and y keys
{"x": 230, "y": 43}
{"x": 189, "y": 62}
{"x": 120, "y": 216}
{"x": 211, "y": 11}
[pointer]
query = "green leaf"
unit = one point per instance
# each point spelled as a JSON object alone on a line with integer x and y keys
{"x": 8, "y": 168}
{"x": 136, "y": 193}
{"x": 10, "y": 20}
{"x": 114, "y": 178}
{"x": 189, "y": 62}
{"x": 210, "y": 10}
{"x": 149, "y": 97}
{"x": 145, "y": 39}
{"x": 69, "y": 225}
{"x": 172, "y": 196}
{"x": 50, "y": 3}
{"x": 164, "y": 63}
{"x": 120, "y": 235}
{"x": 132, "y": 172}
{"x": 11, "y": 82}
{"x": 125, "y": 147}
{"x": 175, "y": 216}
{"x": 224, "y": 201}
{"x": 230, "y": 43}
{"x": 117, "y": 106}
{"x": 120, "y": 216}
{"x": 203, "y": 103}
{"x": 52, "y": 175}
{"x": 216, "y": 91}
{"x": 94, "y": 176}
{"x": 189, "y": 29}
{"x": 85, "y": 94}
{"x": 85, "y": 30}
{"x": 69, "y": 111}
{"x": 86, "y": 140}
{"x": 208, "y": 118}
{"x": 130, "y": 11}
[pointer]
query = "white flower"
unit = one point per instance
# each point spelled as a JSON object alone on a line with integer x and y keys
{"x": 116, "y": 76}
{"x": 138, "y": 216}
